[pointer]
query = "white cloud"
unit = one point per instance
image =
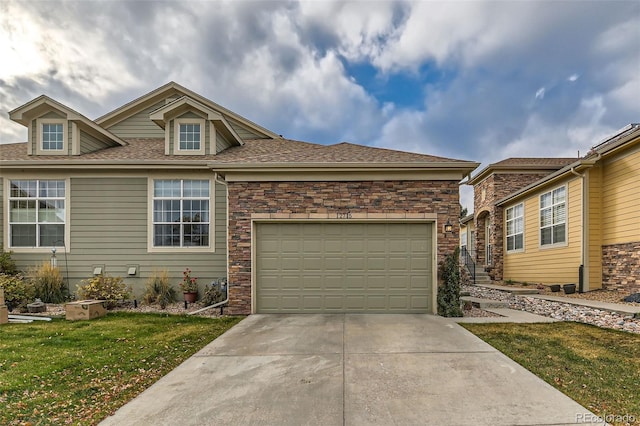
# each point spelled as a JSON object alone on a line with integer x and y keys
{"x": 285, "y": 65}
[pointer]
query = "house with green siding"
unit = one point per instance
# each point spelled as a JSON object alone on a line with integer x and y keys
{"x": 172, "y": 180}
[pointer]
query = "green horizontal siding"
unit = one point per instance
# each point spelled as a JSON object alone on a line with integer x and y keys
{"x": 109, "y": 219}
{"x": 139, "y": 125}
{"x": 89, "y": 143}
{"x": 244, "y": 132}
{"x": 221, "y": 142}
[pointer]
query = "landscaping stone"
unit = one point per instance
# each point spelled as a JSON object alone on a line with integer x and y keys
{"x": 560, "y": 311}
{"x": 635, "y": 297}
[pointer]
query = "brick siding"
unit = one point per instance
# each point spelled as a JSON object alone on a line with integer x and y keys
{"x": 621, "y": 267}
{"x": 308, "y": 198}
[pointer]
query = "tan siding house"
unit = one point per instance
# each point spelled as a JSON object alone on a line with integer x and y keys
{"x": 549, "y": 235}
{"x": 172, "y": 180}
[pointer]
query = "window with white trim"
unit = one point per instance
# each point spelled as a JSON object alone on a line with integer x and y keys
{"x": 52, "y": 137}
{"x": 181, "y": 213}
{"x": 189, "y": 136}
{"x": 553, "y": 215}
{"x": 36, "y": 213}
{"x": 515, "y": 227}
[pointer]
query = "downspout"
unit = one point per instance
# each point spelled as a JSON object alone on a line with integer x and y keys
{"x": 584, "y": 255}
{"x": 225, "y": 301}
{"x": 584, "y": 269}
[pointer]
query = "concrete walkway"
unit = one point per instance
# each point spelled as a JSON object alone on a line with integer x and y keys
{"x": 349, "y": 369}
{"x": 506, "y": 315}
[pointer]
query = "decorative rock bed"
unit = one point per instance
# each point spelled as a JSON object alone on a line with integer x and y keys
{"x": 560, "y": 311}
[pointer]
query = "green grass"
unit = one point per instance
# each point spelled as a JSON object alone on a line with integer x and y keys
{"x": 63, "y": 372}
{"x": 599, "y": 368}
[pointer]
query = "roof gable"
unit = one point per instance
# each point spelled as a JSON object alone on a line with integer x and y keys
{"x": 162, "y": 115}
{"x": 174, "y": 90}
{"x": 43, "y": 104}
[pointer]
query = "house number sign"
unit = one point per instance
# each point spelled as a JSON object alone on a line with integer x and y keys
{"x": 344, "y": 215}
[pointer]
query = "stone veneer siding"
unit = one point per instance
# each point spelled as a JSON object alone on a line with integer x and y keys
{"x": 621, "y": 267}
{"x": 496, "y": 186}
{"x": 301, "y": 199}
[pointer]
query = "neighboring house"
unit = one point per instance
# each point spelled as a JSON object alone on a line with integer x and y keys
{"x": 467, "y": 236}
{"x": 578, "y": 224}
{"x": 173, "y": 180}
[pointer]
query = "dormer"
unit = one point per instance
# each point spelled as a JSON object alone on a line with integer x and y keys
{"x": 55, "y": 129}
{"x": 192, "y": 128}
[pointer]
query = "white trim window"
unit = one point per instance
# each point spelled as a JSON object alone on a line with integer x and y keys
{"x": 189, "y": 136}
{"x": 515, "y": 228}
{"x": 52, "y": 136}
{"x": 37, "y": 213}
{"x": 181, "y": 213}
{"x": 553, "y": 216}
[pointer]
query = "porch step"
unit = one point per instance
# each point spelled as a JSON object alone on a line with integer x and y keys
{"x": 484, "y": 303}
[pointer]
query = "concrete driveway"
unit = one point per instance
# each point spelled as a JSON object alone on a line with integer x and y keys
{"x": 349, "y": 369}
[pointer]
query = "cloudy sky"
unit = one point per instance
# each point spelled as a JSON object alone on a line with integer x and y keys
{"x": 476, "y": 80}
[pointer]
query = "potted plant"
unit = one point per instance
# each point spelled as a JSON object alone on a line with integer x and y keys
{"x": 569, "y": 288}
{"x": 189, "y": 286}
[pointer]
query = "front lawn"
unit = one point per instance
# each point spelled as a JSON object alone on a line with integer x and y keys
{"x": 64, "y": 372}
{"x": 599, "y": 368}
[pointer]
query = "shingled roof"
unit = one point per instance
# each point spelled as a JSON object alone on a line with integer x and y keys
{"x": 276, "y": 151}
{"x": 522, "y": 164}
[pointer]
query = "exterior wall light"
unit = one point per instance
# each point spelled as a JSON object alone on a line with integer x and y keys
{"x": 448, "y": 227}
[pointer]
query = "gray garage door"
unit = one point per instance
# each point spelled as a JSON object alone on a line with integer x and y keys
{"x": 343, "y": 267}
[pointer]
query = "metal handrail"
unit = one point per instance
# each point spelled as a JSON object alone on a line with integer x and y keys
{"x": 469, "y": 263}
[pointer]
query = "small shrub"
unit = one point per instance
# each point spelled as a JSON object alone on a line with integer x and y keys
{"x": 159, "y": 290}
{"x": 7, "y": 264}
{"x": 48, "y": 283}
{"x": 509, "y": 282}
{"x": 105, "y": 287}
{"x": 213, "y": 293}
{"x": 17, "y": 292}
{"x": 449, "y": 289}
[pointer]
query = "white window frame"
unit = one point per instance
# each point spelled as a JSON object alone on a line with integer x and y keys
{"x": 176, "y": 136}
{"x": 553, "y": 221}
{"x": 514, "y": 219}
{"x": 7, "y": 222}
{"x": 40, "y": 122}
{"x": 151, "y": 247}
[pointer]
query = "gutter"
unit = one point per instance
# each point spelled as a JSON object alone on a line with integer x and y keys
{"x": 225, "y": 301}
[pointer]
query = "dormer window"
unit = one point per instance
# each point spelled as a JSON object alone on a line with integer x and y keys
{"x": 52, "y": 136}
{"x": 189, "y": 136}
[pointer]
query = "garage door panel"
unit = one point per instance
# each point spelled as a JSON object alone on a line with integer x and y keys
{"x": 376, "y": 263}
{"x": 343, "y": 267}
{"x": 397, "y": 263}
{"x": 334, "y": 263}
{"x": 354, "y": 283}
{"x": 377, "y": 282}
